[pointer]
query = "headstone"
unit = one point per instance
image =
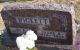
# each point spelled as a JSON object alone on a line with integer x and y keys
{"x": 8, "y": 40}
{"x": 56, "y": 47}
{"x": 4, "y": 0}
{"x": 53, "y": 23}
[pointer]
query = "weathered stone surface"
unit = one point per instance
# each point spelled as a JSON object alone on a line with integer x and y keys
{"x": 53, "y": 23}
{"x": 8, "y": 40}
{"x": 44, "y": 6}
{"x": 56, "y": 47}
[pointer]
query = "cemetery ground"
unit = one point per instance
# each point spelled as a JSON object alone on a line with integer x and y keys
{"x": 2, "y": 47}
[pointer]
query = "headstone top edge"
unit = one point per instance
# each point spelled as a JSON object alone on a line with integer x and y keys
{"x": 43, "y": 6}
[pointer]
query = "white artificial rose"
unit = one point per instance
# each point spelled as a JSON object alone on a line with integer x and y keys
{"x": 26, "y": 41}
{"x": 31, "y": 35}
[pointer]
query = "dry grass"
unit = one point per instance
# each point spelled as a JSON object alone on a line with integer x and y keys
{"x": 1, "y": 21}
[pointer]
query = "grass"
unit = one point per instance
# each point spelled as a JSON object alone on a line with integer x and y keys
{"x": 1, "y": 20}
{"x": 1, "y": 39}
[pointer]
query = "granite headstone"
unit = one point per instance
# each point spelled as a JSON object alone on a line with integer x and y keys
{"x": 53, "y": 23}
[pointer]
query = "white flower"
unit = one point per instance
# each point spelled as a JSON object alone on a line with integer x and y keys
{"x": 1, "y": 32}
{"x": 31, "y": 35}
{"x": 27, "y": 40}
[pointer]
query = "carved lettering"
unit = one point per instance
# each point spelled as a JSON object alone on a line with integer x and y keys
{"x": 18, "y": 30}
{"x": 28, "y": 20}
{"x": 51, "y": 34}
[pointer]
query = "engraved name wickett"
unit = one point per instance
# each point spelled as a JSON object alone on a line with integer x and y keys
{"x": 31, "y": 20}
